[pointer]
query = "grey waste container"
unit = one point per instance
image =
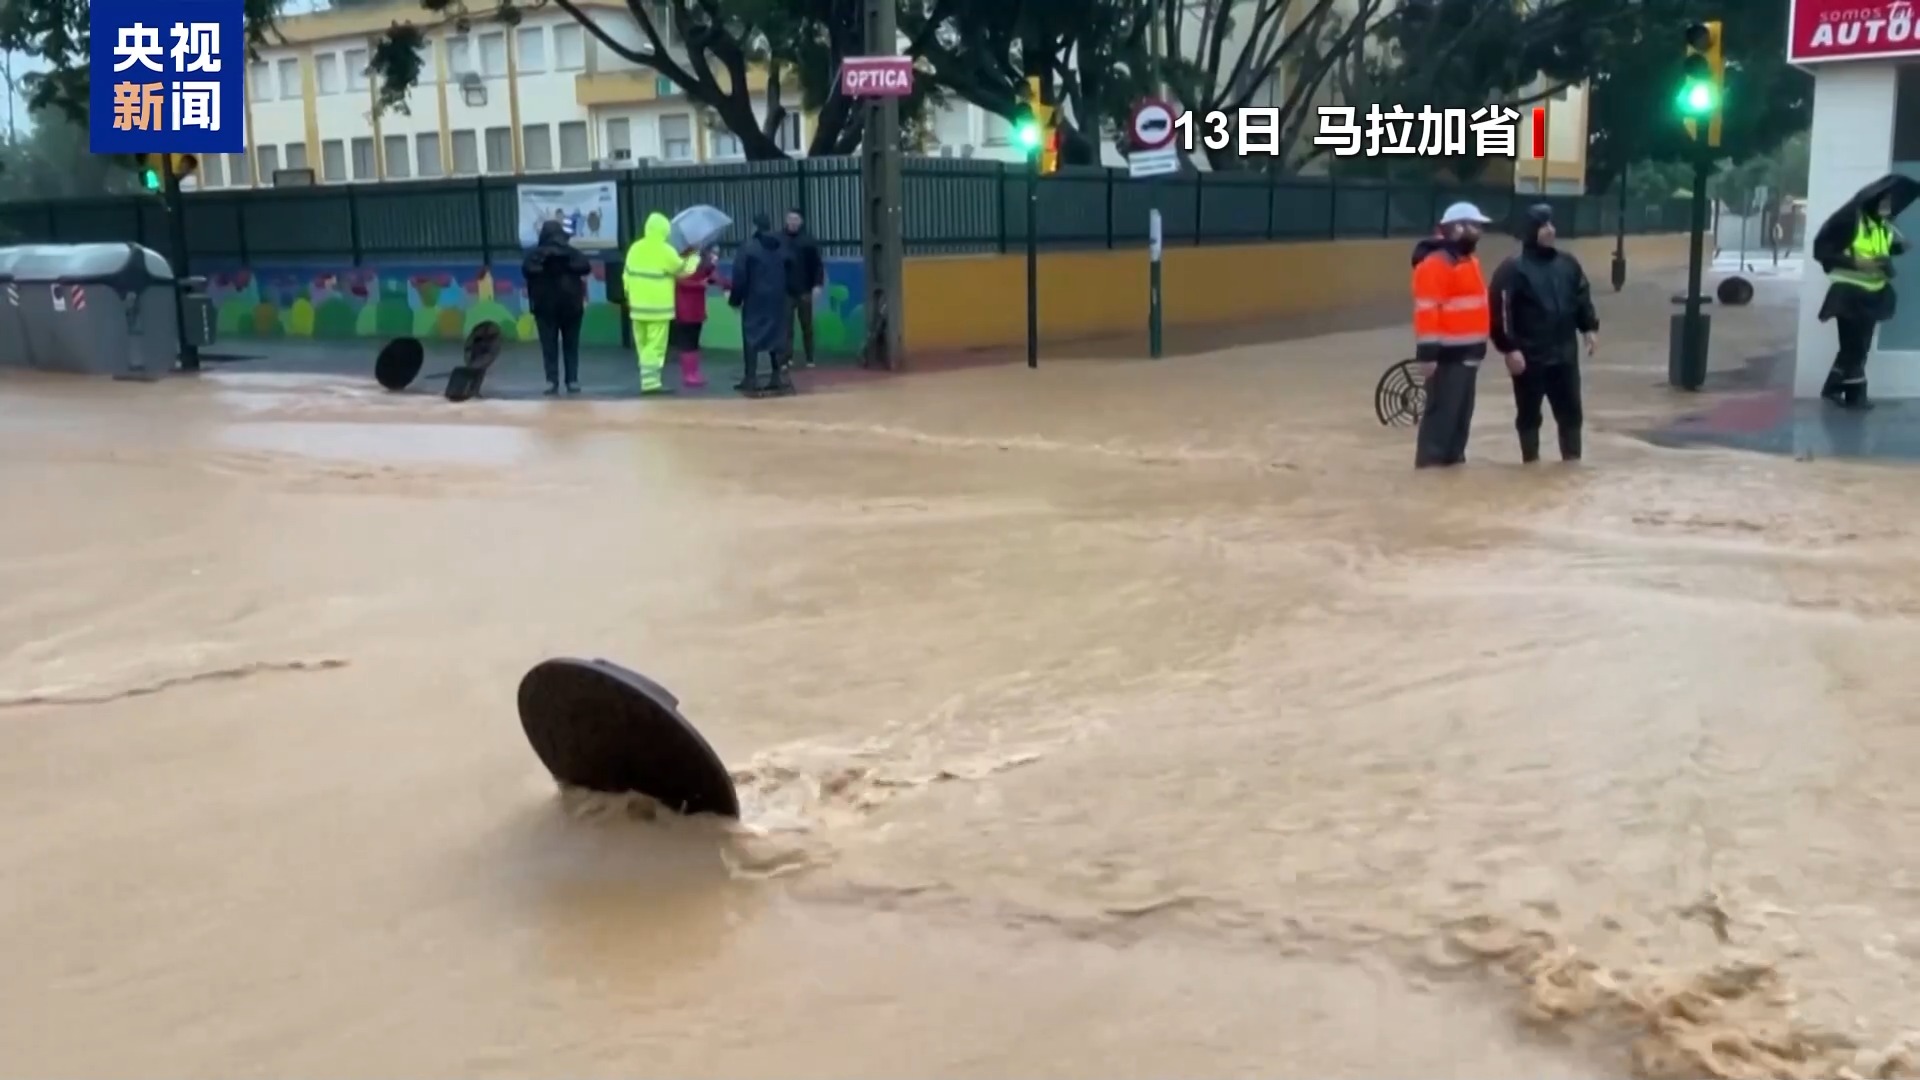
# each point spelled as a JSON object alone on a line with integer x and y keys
{"x": 97, "y": 309}
{"x": 13, "y": 338}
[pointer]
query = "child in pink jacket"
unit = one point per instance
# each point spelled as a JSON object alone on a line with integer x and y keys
{"x": 690, "y": 316}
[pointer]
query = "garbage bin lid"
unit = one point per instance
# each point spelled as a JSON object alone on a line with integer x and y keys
{"x": 90, "y": 263}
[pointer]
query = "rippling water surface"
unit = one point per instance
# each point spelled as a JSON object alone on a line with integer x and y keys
{"x": 1110, "y": 719}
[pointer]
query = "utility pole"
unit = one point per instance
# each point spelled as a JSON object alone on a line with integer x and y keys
{"x": 1620, "y": 234}
{"x": 881, "y": 234}
{"x": 177, "y": 240}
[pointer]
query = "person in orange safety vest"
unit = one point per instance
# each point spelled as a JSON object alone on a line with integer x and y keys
{"x": 1450, "y": 327}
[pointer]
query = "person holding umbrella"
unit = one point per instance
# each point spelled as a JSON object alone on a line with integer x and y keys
{"x": 1856, "y": 247}
{"x": 652, "y": 267}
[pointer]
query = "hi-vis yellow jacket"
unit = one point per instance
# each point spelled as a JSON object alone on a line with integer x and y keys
{"x": 651, "y": 268}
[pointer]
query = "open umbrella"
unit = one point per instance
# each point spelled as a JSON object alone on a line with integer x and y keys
{"x": 1836, "y": 233}
{"x": 696, "y": 227}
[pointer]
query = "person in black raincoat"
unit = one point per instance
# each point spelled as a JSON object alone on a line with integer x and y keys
{"x": 1856, "y": 247}
{"x": 761, "y": 275}
{"x": 556, "y": 275}
{"x": 1542, "y": 311}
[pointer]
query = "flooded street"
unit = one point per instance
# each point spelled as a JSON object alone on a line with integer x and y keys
{"x": 1116, "y": 719}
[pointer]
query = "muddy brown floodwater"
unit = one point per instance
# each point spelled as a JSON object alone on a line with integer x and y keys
{"x": 1114, "y": 719}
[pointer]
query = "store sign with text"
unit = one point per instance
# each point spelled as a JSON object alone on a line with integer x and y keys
{"x": 1829, "y": 30}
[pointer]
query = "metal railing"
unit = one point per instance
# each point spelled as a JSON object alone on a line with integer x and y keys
{"x": 952, "y": 206}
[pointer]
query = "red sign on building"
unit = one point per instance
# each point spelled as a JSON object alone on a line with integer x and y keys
{"x": 876, "y": 76}
{"x": 1826, "y": 30}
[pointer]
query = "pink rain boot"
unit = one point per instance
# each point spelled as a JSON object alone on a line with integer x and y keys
{"x": 690, "y": 370}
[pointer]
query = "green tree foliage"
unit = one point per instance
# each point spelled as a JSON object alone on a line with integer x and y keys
{"x": 1628, "y": 51}
{"x": 56, "y": 31}
{"x": 50, "y": 160}
{"x": 706, "y": 48}
{"x": 1631, "y": 115}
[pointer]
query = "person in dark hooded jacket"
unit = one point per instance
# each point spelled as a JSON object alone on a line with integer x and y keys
{"x": 1856, "y": 247}
{"x": 556, "y": 275}
{"x": 1542, "y": 312}
{"x": 762, "y": 272}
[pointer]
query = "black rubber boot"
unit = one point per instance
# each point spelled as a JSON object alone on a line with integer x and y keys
{"x": 1834, "y": 390}
{"x": 1856, "y": 397}
{"x": 780, "y": 383}
{"x": 1569, "y": 444}
{"x": 749, "y": 383}
{"x": 1529, "y": 447}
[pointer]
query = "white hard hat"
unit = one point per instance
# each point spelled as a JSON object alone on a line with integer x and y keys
{"x": 1464, "y": 211}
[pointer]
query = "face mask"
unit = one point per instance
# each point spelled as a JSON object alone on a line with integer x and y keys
{"x": 1467, "y": 244}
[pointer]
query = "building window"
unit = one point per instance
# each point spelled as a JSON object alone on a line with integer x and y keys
{"x": 998, "y": 130}
{"x": 333, "y": 161}
{"x": 619, "y": 137}
{"x": 356, "y": 64}
{"x": 212, "y": 173}
{"x": 459, "y": 56}
{"x": 288, "y": 73}
{"x": 269, "y": 162}
{"x": 788, "y": 136}
{"x": 532, "y": 43}
{"x": 493, "y": 55}
{"x": 569, "y": 48}
{"x": 573, "y": 145}
{"x": 326, "y": 74}
{"x": 240, "y": 170}
{"x": 394, "y": 158}
{"x": 536, "y": 146}
{"x": 428, "y": 74}
{"x": 261, "y": 75}
{"x": 500, "y": 150}
{"x": 466, "y": 154}
{"x": 297, "y": 156}
{"x": 676, "y": 137}
{"x": 724, "y": 144}
{"x": 426, "y": 147}
{"x": 363, "y": 159}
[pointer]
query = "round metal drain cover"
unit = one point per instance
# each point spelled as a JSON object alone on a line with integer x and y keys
{"x": 599, "y": 726}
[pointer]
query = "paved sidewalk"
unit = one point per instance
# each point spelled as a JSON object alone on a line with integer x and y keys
{"x": 605, "y": 374}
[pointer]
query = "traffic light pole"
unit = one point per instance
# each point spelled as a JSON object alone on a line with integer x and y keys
{"x": 177, "y": 257}
{"x": 1693, "y": 348}
{"x": 1033, "y": 261}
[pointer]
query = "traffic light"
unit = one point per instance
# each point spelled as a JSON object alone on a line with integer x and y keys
{"x": 1703, "y": 82}
{"x": 1033, "y": 129}
{"x": 154, "y": 180}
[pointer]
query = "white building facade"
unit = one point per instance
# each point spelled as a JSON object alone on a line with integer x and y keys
{"x": 540, "y": 97}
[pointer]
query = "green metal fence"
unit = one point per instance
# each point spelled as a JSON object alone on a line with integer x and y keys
{"x": 952, "y": 206}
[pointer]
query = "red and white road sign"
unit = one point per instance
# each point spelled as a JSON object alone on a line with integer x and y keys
{"x": 876, "y": 76}
{"x": 1151, "y": 125}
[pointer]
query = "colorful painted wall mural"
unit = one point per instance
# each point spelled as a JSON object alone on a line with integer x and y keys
{"x": 445, "y": 303}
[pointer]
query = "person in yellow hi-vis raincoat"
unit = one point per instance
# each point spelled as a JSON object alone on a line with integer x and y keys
{"x": 651, "y": 269}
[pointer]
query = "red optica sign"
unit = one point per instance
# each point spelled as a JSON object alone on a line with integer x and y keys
{"x": 1826, "y": 30}
{"x": 876, "y": 76}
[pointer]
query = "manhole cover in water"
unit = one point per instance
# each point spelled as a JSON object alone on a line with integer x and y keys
{"x": 598, "y": 726}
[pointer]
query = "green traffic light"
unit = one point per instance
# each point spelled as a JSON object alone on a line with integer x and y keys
{"x": 150, "y": 179}
{"x": 1697, "y": 99}
{"x": 1028, "y": 133}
